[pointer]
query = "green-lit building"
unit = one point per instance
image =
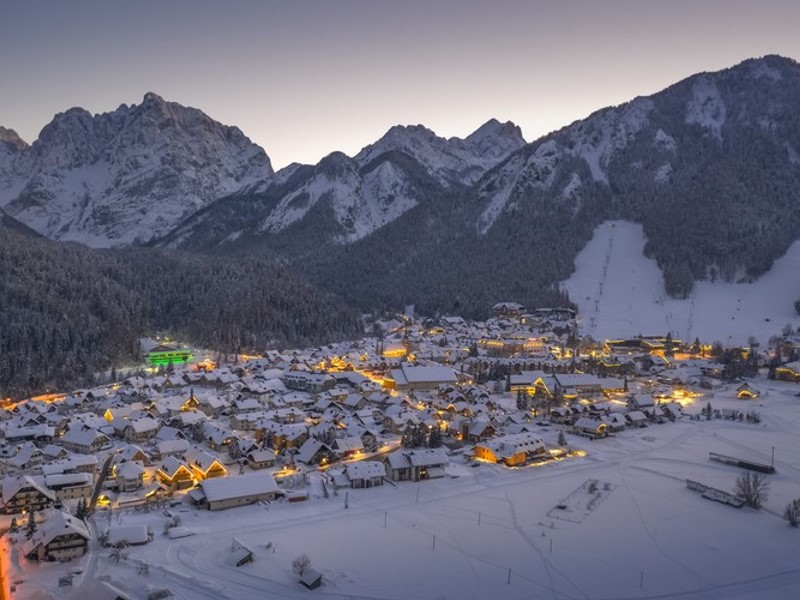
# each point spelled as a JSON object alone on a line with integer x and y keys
{"x": 165, "y": 354}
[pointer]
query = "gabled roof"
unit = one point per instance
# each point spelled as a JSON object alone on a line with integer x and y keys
{"x": 13, "y": 485}
{"x": 365, "y": 469}
{"x": 239, "y": 486}
{"x": 59, "y": 524}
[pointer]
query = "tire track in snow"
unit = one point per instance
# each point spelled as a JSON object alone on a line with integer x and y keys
{"x": 652, "y": 536}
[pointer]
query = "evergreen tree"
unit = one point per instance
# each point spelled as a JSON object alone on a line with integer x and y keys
{"x": 30, "y": 529}
{"x": 435, "y": 438}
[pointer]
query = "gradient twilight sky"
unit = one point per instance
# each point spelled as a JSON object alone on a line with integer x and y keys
{"x": 304, "y": 78}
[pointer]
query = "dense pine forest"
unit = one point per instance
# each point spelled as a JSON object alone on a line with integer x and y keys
{"x": 69, "y": 312}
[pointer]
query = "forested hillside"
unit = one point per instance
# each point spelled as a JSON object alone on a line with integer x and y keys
{"x": 68, "y": 311}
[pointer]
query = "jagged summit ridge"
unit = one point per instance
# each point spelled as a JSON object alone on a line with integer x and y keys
{"x": 130, "y": 174}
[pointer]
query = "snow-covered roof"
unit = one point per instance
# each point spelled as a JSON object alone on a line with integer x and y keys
{"x": 365, "y": 469}
{"x": 249, "y": 484}
{"x": 59, "y": 524}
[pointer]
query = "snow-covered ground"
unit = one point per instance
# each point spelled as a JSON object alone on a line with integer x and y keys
{"x": 647, "y": 537}
{"x": 620, "y": 292}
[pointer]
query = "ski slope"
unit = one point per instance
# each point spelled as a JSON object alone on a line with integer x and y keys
{"x": 620, "y": 292}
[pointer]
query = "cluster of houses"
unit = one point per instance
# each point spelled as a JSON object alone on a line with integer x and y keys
{"x": 362, "y": 413}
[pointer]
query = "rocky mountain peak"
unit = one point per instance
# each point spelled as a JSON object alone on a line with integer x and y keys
{"x": 132, "y": 173}
{"x": 12, "y": 139}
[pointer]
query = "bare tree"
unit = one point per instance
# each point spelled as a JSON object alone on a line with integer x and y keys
{"x": 792, "y": 513}
{"x": 301, "y": 564}
{"x": 752, "y": 488}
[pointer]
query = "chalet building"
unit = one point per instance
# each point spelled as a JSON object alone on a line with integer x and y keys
{"x": 614, "y": 421}
{"x": 511, "y": 450}
{"x": 24, "y": 494}
{"x": 85, "y": 440}
{"x": 140, "y": 430}
{"x": 365, "y": 473}
{"x": 305, "y": 381}
{"x": 477, "y": 431}
{"x": 74, "y": 463}
{"x": 348, "y": 447}
{"x": 70, "y": 486}
{"x": 789, "y": 371}
{"x": 204, "y": 465}
{"x": 27, "y": 457}
{"x": 167, "y": 448}
{"x": 261, "y": 459}
{"x": 132, "y": 453}
{"x": 636, "y": 418}
{"x": 175, "y": 474}
{"x": 211, "y": 405}
{"x": 573, "y": 384}
{"x": 508, "y": 310}
{"x": 35, "y": 432}
{"x": 62, "y": 537}
{"x": 314, "y": 452}
{"x": 410, "y": 378}
{"x": 129, "y": 476}
{"x": 240, "y": 490}
{"x": 416, "y": 465}
{"x": 591, "y": 427}
{"x": 747, "y": 392}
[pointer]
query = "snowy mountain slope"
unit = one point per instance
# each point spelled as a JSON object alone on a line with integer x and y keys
{"x": 620, "y": 292}
{"x": 358, "y": 196}
{"x": 450, "y": 160}
{"x": 131, "y": 174}
{"x": 362, "y": 200}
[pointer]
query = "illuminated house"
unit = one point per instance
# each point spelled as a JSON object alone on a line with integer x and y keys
{"x": 167, "y": 354}
{"x": 203, "y": 465}
{"x": 175, "y": 474}
{"x": 511, "y": 450}
{"x": 747, "y": 392}
{"x": 789, "y": 371}
{"x": 62, "y": 537}
{"x": 591, "y": 427}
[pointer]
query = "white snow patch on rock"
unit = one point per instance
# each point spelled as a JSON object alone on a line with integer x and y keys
{"x": 663, "y": 173}
{"x": 665, "y": 141}
{"x": 706, "y": 107}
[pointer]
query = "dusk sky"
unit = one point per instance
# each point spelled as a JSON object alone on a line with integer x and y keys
{"x": 305, "y": 78}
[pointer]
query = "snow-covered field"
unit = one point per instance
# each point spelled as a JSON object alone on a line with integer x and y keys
{"x": 647, "y": 537}
{"x": 620, "y": 292}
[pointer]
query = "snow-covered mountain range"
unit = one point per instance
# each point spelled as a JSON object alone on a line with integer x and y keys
{"x": 130, "y": 174}
{"x": 709, "y": 167}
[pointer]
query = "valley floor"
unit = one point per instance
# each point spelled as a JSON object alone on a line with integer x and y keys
{"x": 493, "y": 532}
